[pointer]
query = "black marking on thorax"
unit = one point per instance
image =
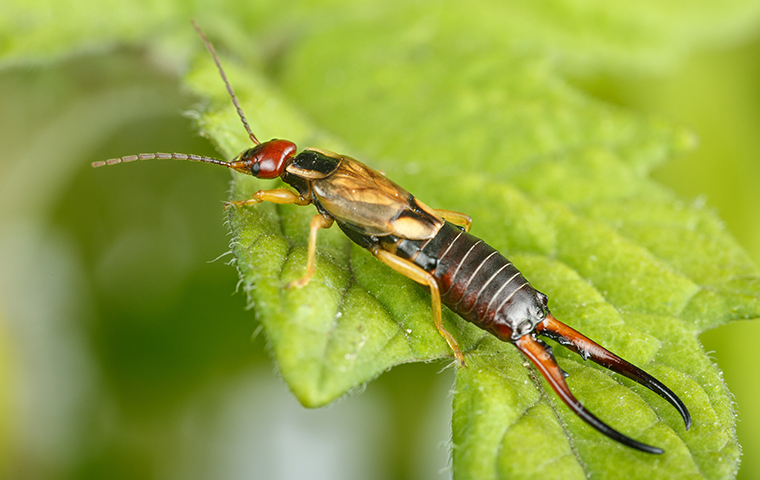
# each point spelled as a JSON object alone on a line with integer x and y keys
{"x": 313, "y": 164}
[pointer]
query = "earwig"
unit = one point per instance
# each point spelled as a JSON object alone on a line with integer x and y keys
{"x": 432, "y": 247}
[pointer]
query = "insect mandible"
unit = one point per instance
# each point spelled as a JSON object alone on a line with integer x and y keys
{"x": 432, "y": 247}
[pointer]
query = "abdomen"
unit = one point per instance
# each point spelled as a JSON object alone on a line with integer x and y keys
{"x": 481, "y": 285}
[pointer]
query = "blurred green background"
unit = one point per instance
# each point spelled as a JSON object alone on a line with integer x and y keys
{"x": 125, "y": 351}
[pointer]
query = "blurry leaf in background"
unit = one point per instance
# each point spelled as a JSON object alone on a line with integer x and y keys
{"x": 48, "y": 345}
{"x": 378, "y": 78}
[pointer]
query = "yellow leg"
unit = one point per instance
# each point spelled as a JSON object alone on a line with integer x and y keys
{"x": 317, "y": 222}
{"x": 410, "y": 270}
{"x": 457, "y": 218}
{"x": 277, "y": 195}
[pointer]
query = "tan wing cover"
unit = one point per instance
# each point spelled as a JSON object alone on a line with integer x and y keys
{"x": 366, "y": 200}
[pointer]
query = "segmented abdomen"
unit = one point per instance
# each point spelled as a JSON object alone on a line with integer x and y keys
{"x": 477, "y": 282}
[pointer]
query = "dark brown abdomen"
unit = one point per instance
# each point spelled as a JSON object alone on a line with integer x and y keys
{"x": 480, "y": 284}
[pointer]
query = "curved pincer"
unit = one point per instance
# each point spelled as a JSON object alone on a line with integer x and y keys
{"x": 541, "y": 356}
{"x": 588, "y": 349}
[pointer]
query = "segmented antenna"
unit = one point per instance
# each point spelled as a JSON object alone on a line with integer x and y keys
{"x": 211, "y": 50}
{"x": 185, "y": 156}
{"x": 161, "y": 156}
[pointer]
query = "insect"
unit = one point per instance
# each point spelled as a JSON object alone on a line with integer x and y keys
{"x": 432, "y": 247}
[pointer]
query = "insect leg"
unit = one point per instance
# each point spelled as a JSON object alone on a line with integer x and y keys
{"x": 412, "y": 271}
{"x": 277, "y": 195}
{"x": 457, "y": 218}
{"x": 541, "y": 356}
{"x": 317, "y": 221}
{"x": 587, "y": 348}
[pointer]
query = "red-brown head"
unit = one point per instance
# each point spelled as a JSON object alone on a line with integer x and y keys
{"x": 266, "y": 160}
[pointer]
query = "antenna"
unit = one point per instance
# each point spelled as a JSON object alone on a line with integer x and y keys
{"x": 162, "y": 156}
{"x": 185, "y": 156}
{"x": 211, "y": 50}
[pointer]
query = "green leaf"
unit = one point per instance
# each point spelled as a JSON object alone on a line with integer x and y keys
{"x": 471, "y": 119}
{"x": 469, "y": 108}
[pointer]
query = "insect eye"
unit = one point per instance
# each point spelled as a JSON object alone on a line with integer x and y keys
{"x": 255, "y": 168}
